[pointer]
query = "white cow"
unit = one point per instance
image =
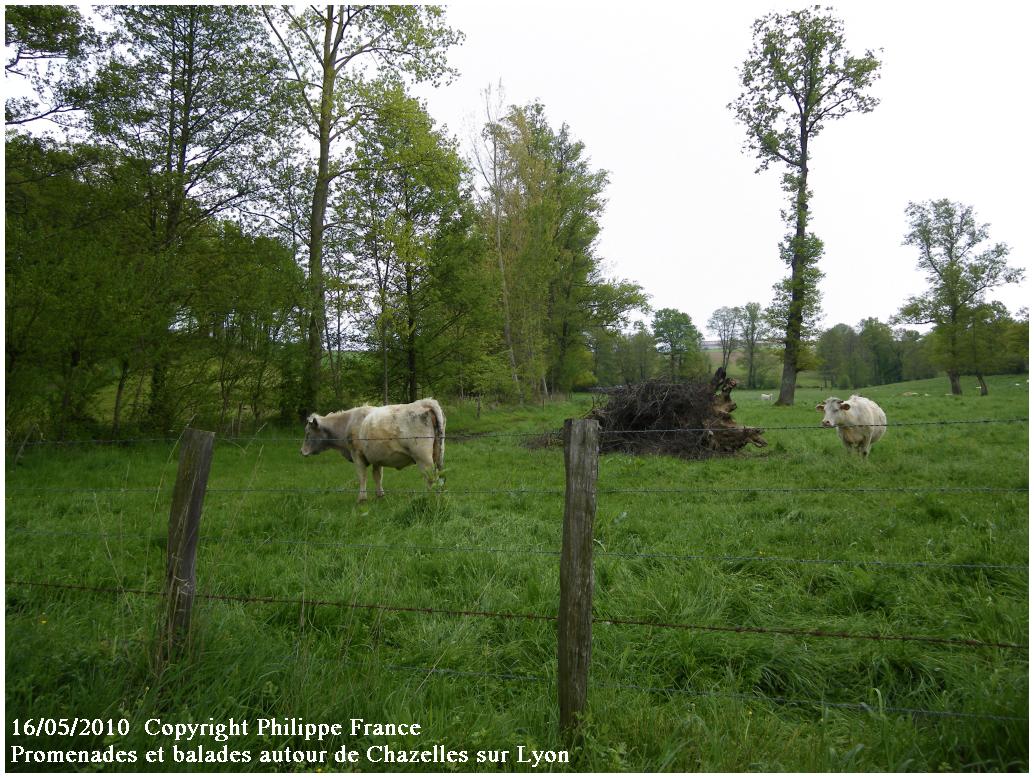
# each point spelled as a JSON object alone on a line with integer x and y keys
{"x": 766, "y": 397}
{"x": 389, "y": 436}
{"x": 859, "y": 421}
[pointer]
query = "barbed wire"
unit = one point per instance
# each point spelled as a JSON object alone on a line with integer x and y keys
{"x": 535, "y": 551}
{"x": 540, "y": 433}
{"x": 35, "y": 492}
{"x": 535, "y": 616}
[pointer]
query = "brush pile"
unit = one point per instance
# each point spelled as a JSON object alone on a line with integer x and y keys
{"x": 689, "y": 420}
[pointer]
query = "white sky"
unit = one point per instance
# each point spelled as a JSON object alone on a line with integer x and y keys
{"x": 645, "y": 87}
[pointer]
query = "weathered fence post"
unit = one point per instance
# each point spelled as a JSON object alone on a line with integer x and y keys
{"x": 574, "y": 627}
{"x": 184, "y": 528}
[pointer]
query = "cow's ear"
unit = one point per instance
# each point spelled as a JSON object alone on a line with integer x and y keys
{"x": 845, "y": 407}
{"x": 313, "y": 422}
{"x": 820, "y": 407}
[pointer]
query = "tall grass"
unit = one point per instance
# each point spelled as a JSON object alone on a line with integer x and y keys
{"x": 732, "y": 552}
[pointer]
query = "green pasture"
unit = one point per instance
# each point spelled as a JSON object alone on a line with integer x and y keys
{"x": 775, "y": 538}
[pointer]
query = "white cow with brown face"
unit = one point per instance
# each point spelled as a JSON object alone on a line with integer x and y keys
{"x": 387, "y": 436}
{"x": 859, "y": 421}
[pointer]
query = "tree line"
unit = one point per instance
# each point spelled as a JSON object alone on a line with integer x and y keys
{"x": 229, "y": 213}
{"x": 232, "y": 213}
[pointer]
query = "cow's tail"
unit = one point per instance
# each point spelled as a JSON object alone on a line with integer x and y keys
{"x": 438, "y": 421}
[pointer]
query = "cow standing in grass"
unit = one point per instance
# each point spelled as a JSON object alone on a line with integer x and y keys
{"x": 389, "y": 436}
{"x": 859, "y": 421}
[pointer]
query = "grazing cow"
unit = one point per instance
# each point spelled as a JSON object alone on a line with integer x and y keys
{"x": 389, "y": 436}
{"x": 859, "y": 421}
{"x": 766, "y": 397}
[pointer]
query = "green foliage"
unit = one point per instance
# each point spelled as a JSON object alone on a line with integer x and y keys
{"x": 960, "y": 269}
{"x": 49, "y": 45}
{"x": 678, "y": 338}
{"x": 544, "y": 205}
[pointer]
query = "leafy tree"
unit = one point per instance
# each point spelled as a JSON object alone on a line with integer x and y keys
{"x": 331, "y": 49}
{"x": 678, "y": 338}
{"x": 839, "y": 356}
{"x": 549, "y": 200}
{"x": 960, "y": 267}
{"x": 878, "y": 352}
{"x": 725, "y": 323}
{"x": 753, "y": 329}
{"x": 184, "y": 94}
{"x": 405, "y": 194}
{"x": 797, "y": 77}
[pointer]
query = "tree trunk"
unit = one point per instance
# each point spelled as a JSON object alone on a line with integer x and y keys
{"x": 321, "y": 194}
{"x": 116, "y": 416}
{"x": 507, "y": 331}
{"x": 983, "y": 384}
{"x": 795, "y": 313}
{"x": 410, "y": 336}
{"x": 956, "y": 384}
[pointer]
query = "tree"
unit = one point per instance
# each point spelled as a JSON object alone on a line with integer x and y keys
{"x": 184, "y": 95}
{"x": 488, "y": 160}
{"x": 725, "y": 323}
{"x": 544, "y": 205}
{"x": 878, "y": 352}
{"x": 797, "y": 77}
{"x": 331, "y": 49}
{"x": 405, "y": 193}
{"x": 753, "y": 330}
{"x": 677, "y": 337}
{"x": 960, "y": 267}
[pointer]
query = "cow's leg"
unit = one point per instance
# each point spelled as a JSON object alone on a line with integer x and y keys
{"x": 378, "y": 471}
{"x": 360, "y": 470}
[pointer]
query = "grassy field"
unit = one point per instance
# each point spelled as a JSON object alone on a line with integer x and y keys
{"x": 744, "y": 544}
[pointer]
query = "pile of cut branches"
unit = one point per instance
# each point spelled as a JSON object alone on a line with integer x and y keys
{"x": 689, "y": 420}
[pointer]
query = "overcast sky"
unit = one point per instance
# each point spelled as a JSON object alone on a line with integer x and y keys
{"x": 645, "y": 87}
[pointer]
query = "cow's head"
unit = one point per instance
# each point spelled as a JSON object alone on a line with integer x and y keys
{"x": 830, "y": 409}
{"x": 315, "y": 436}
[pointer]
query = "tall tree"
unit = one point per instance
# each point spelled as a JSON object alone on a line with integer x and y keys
{"x": 549, "y": 201}
{"x": 331, "y": 49}
{"x": 753, "y": 331}
{"x": 184, "y": 93}
{"x": 960, "y": 267}
{"x": 797, "y": 77}
{"x": 488, "y": 159}
{"x": 406, "y": 191}
{"x": 724, "y": 323}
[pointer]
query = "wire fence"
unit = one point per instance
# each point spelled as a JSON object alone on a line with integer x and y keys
{"x": 749, "y": 698}
{"x": 543, "y": 433}
{"x": 944, "y": 641}
{"x": 426, "y": 549}
{"x": 394, "y": 608}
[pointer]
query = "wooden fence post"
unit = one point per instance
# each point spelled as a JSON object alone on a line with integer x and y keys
{"x": 184, "y": 529}
{"x": 574, "y": 626}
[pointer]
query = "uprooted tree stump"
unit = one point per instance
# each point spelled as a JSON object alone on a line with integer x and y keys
{"x": 691, "y": 420}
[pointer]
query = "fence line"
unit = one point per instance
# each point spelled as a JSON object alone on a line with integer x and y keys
{"x": 534, "y": 616}
{"x": 537, "y": 551}
{"x": 30, "y": 492}
{"x": 859, "y": 706}
{"x": 538, "y": 434}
